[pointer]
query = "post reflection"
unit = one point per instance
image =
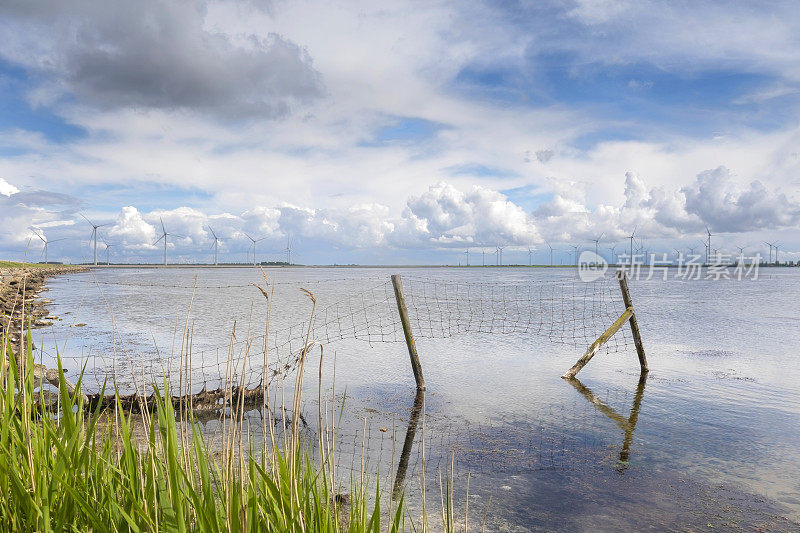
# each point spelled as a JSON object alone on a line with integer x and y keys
{"x": 627, "y": 425}
{"x": 408, "y": 443}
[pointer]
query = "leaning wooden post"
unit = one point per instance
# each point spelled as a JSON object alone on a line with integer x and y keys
{"x": 412, "y": 347}
{"x": 637, "y": 339}
{"x": 596, "y": 345}
{"x": 627, "y": 316}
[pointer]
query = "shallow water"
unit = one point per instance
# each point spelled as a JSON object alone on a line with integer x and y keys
{"x": 711, "y": 436}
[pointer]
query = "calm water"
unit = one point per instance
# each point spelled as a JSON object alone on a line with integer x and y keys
{"x": 711, "y": 436}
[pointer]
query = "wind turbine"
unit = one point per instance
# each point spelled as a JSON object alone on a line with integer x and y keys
{"x": 631, "y": 238}
{"x": 94, "y": 235}
{"x": 107, "y": 247}
{"x": 551, "y": 252}
{"x": 575, "y": 247}
{"x": 467, "y": 254}
{"x": 705, "y": 246}
{"x": 770, "y": 250}
{"x": 708, "y": 251}
{"x": 483, "y": 257}
{"x": 596, "y": 242}
{"x": 288, "y": 250}
{"x": 645, "y": 253}
{"x": 530, "y": 253}
{"x": 499, "y": 253}
{"x": 164, "y": 235}
{"x": 215, "y": 245}
{"x": 43, "y": 238}
{"x": 776, "y": 253}
{"x": 611, "y": 249}
{"x": 254, "y": 247}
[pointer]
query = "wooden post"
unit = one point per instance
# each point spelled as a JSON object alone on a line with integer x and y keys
{"x": 637, "y": 339}
{"x": 412, "y": 347}
{"x": 595, "y": 347}
{"x": 628, "y": 316}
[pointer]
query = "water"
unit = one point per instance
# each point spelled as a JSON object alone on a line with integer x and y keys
{"x": 711, "y": 436}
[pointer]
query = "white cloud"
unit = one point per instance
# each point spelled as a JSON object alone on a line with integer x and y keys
{"x": 442, "y": 217}
{"x": 599, "y": 11}
{"x": 766, "y": 93}
{"x": 131, "y": 228}
{"x": 6, "y": 189}
{"x": 446, "y": 216}
{"x": 690, "y": 35}
{"x": 724, "y": 207}
{"x": 713, "y": 199}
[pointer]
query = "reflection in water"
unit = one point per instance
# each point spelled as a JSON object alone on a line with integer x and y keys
{"x": 628, "y": 425}
{"x": 408, "y": 443}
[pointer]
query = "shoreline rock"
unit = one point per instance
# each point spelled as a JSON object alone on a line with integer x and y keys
{"x": 19, "y": 301}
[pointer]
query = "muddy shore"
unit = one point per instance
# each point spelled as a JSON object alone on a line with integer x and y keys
{"x": 20, "y": 287}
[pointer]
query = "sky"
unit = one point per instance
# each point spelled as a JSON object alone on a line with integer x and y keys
{"x": 397, "y": 132}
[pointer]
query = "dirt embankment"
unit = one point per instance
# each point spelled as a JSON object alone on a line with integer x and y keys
{"x": 19, "y": 287}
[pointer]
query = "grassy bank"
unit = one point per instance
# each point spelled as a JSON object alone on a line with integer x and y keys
{"x": 71, "y": 472}
{"x": 14, "y": 264}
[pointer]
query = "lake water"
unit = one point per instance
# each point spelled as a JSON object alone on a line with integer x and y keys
{"x": 711, "y": 437}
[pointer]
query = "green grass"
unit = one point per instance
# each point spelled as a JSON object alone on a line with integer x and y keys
{"x": 14, "y": 264}
{"x": 70, "y": 471}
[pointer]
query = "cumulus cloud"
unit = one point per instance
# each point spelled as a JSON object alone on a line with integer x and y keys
{"x": 6, "y": 189}
{"x": 155, "y": 54}
{"x": 131, "y": 230}
{"x": 359, "y": 226}
{"x": 712, "y": 200}
{"x": 446, "y": 216}
{"x": 635, "y": 190}
{"x": 440, "y": 218}
{"x": 715, "y": 200}
{"x": 261, "y": 220}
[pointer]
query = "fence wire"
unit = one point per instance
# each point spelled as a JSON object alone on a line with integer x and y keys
{"x": 565, "y": 312}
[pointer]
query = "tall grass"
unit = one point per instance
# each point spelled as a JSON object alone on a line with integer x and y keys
{"x": 65, "y": 466}
{"x": 73, "y": 471}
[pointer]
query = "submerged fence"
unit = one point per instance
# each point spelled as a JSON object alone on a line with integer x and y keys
{"x": 568, "y": 312}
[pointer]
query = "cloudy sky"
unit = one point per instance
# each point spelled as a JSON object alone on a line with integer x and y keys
{"x": 397, "y": 132}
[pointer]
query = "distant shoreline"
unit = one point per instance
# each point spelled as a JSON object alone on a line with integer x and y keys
{"x": 58, "y": 268}
{"x": 274, "y": 267}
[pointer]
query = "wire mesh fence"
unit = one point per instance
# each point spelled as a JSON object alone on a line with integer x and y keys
{"x": 567, "y": 312}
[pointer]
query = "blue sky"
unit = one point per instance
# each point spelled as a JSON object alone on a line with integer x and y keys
{"x": 16, "y": 113}
{"x": 371, "y": 130}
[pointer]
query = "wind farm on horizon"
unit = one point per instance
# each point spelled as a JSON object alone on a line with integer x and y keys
{"x": 636, "y": 248}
